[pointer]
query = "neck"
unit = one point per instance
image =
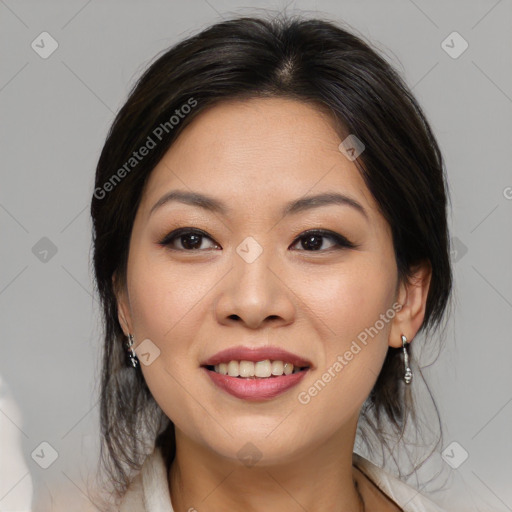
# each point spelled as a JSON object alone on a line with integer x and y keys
{"x": 320, "y": 478}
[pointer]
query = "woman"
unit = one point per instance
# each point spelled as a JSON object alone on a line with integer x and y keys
{"x": 270, "y": 234}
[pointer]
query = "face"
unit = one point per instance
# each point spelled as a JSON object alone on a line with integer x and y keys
{"x": 251, "y": 275}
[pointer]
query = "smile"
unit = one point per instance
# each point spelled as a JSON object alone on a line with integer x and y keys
{"x": 254, "y": 388}
{"x": 261, "y": 369}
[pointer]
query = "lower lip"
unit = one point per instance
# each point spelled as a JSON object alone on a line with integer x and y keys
{"x": 255, "y": 389}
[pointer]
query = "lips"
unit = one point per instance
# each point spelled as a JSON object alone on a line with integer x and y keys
{"x": 241, "y": 353}
{"x": 255, "y": 389}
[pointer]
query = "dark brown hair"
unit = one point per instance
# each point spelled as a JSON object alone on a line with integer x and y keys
{"x": 308, "y": 60}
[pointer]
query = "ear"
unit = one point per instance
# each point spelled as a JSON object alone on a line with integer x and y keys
{"x": 123, "y": 306}
{"x": 413, "y": 297}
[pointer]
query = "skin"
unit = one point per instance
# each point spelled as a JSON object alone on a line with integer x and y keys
{"x": 256, "y": 155}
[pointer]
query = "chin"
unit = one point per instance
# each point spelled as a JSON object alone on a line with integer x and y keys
{"x": 258, "y": 448}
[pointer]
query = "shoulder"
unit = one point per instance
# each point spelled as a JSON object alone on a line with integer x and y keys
{"x": 406, "y": 497}
{"x": 149, "y": 490}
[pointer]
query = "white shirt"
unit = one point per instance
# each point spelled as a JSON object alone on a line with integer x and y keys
{"x": 149, "y": 490}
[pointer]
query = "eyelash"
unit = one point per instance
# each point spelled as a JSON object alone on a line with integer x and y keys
{"x": 340, "y": 241}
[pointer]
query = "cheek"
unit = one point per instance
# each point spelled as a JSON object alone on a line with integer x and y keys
{"x": 169, "y": 305}
{"x": 349, "y": 299}
{"x": 162, "y": 296}
{"x": 347, "y": 307}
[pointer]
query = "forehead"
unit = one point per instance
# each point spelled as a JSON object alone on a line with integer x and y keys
{"x": 258, "y": 152}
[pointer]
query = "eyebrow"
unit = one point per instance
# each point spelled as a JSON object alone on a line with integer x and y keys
{"x": 214, "y": 205}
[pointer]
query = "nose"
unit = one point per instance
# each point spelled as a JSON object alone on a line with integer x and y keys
{"x": 255, "y": 294}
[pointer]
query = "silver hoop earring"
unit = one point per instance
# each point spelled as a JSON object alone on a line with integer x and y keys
{"x": 131, "y": 353}
{"x": 408, "y": 372}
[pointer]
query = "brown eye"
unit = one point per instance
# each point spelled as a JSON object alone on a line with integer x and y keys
{"x": 190, "y": 239}
{"x": 314, "y": 241}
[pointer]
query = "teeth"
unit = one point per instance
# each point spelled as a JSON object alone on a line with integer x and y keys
{"x": 246, "y": 369}
{"x": 261, "y": 369}
{"x": 277, "y": 367}
{"x": 233, "y": 369}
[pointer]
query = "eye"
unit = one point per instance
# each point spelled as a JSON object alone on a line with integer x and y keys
{"x": 313, "y": 240}
{"x": 190, "y": 239}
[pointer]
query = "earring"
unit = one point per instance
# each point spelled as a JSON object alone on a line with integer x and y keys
{"x": 131, "y": 353}
{"x": 408, "y": 372}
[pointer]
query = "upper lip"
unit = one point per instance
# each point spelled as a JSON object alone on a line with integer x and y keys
{"x": 241, "y": 353}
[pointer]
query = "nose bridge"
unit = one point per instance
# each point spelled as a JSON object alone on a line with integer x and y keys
{"x": 252, "y": 266}
{"x": 255, "y": 292}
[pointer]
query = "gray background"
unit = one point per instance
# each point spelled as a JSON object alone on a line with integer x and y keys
{"x": 55, "y": 113}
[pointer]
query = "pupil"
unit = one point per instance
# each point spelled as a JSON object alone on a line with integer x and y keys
{"x": 307, "y": 242}
{"x": 194, "y": 244}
